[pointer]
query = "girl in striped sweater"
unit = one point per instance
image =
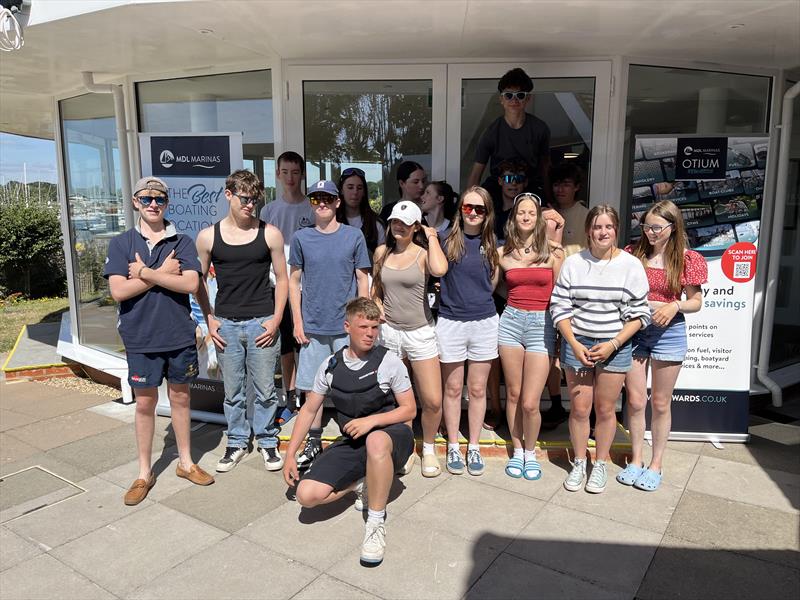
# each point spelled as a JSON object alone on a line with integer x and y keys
{"x": 598, "y": 304}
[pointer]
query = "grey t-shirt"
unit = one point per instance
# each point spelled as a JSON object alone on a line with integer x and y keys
{"x": 501, "y": 142}
{"x": 392, "y": 373}
{"x": 329, "y": 262}
{"x": 288, "y": 217}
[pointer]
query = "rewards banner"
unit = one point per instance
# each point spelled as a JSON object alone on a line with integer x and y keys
{"x": 722, "y": 210}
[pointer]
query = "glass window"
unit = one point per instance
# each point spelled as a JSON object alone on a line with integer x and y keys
{"x": 215, "y": 103}
{"x": 96, "y": 212}
{"x": 566, "y": 104}
{"x": 671, "y": 100}
{"x": 374, "y": 125}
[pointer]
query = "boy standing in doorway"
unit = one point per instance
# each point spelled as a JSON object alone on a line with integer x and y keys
{"x": 289, "y": 212}
{"x": 151, "y": 270}
{"x": 246, "y": 319}
{"x": 329, "y": 266}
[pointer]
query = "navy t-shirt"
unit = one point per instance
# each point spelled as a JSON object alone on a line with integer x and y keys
{"x": 501, "y": 142}
{"x": 467, "y": 285}
{"x": 158, "y": 320}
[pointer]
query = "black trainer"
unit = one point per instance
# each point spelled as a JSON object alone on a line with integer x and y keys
{"x": 231, "y": 459}
{"x": 273, "y": 459}
{"x": 312, "y": 448}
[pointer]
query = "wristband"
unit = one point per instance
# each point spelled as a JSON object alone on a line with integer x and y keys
{"x": 139, "y": 275}
{"x": 615, "y": 344}
{"x": 678, "y": 304}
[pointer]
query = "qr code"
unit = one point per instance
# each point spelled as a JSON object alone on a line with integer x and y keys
{"x": 741, "y": 270}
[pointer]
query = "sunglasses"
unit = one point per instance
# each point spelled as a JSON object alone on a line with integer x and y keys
{"x": 245, "y": 200}
{"x": 326, "y": 199}
{"x": 518, "y": 95}
{"x": 514, "y": 178}
{"x": 148, "y": 200}
{"x": 527, "y": 196}
{"x": 654, "y": 228}
{"x": 353, "y": 171}
{"x": 478, "y": 209}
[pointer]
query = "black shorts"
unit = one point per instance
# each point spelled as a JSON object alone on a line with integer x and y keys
{"x": 148, "y": 369}
{"x": 288, "y": 344}
{"x": 345, "y": 461}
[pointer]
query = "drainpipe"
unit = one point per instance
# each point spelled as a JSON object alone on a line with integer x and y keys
{"x": 122, "y": 139}
{"x": 776, "y": 239}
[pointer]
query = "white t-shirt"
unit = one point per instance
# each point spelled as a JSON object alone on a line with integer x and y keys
{"x": 392, "y": 373}
{"x": 357, "y": 222}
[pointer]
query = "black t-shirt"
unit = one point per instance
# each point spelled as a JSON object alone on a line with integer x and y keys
{"x": 501, "y": 142}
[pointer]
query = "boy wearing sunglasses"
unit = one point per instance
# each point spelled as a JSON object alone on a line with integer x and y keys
{"x": 151, "y": 270}
{"x": 329, "y": 265}
{"x": 245, "y": 321}
{"x": 517, "y": 134}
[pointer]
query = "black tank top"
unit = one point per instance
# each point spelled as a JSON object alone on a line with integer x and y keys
{"x": 243, "y": 289}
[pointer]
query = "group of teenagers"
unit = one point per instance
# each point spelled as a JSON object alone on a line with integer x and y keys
{"x": 351, "y": 303}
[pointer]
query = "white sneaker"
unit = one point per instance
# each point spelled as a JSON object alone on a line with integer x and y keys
{"x": 273, "y": 459}
{"x": 598, "y": 478}
{"x": 574, "y": 480}
{"x": 374, "y": 544}
{"x": 231, "y": 459}
{"x": 360, "y": 489}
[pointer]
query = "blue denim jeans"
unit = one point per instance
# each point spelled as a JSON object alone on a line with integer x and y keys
{"x": 240, "y": 358}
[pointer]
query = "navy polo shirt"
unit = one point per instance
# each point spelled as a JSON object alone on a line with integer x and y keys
{"x": 158, "y": 320}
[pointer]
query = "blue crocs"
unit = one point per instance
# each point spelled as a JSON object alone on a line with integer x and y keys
{"x": 630, "y": 474}
{"x": 648, "y": 481}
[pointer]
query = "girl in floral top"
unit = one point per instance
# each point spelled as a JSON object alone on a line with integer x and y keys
{"x": 675, "y": 274}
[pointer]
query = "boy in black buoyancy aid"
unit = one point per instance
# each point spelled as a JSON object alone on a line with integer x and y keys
{"x": 372, "y": 394}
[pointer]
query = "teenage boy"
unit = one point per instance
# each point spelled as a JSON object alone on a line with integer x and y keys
{"x": 516, "y": 134}
{"x": 289, "y": 212}
{"x": 512, "y": 181}
{"x": 151, "y": 270}
{"x": 245, "y": 321}
{"x": 330, "y": 263}
{"x": 371, "y": 391}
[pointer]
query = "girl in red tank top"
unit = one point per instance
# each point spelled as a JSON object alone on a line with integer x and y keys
{"x": 529, "y": 265}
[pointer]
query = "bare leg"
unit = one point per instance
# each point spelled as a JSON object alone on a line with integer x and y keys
{"x": 428, "y": 378}
{"x": 607, "y": 386}
{"x": 312, "y": 493}
{"x": 664, "y": 376}
{"x": 181, "y": 421}
{"x": 580, "y": 393}
{"x": 513, "y": 359}
{"x": 477, "y": 376}
{"x": 453, "y": 376}
{"x": 535, "y": 372}
{"x": 145, "y": 423}
{"x": 380, "y": 470}
{"x": 636, "y": 395}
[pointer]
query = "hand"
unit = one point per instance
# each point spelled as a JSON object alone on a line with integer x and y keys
{"x": 582, "y": 354}
{"x": 664, "y": 314}
{"x": 135, "y": 268}
{"x": 549, "y": 214}
{"x": 430, "y": 232}
{"x": 600, "y": 352}
{"x": 268, "y": 336}
{"x": 213, "y": 331}
{"x": 171, "y": 265}
{"x": 300, "y": 334}
{"x": 198, "y": 337}
{"x": 359, "y": 427}
{"x": 290, "y": 473}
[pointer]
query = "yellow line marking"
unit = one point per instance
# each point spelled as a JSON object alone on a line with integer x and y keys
{"x": 32, "y": 367}
{"x": 14, "y": 347}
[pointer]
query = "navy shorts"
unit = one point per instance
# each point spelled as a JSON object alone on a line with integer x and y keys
{"x": 666, "y": 344}
{"x": 148, "y": 369}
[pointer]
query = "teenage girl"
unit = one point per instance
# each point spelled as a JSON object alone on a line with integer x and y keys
{"x": 438, "y": 203}
{"x": 411, "y": 182}
{"x": 355, "y": 209}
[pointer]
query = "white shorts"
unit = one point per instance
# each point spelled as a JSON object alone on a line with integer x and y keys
{"x": 467, "y": 340}
{"x": 416, "y": 344}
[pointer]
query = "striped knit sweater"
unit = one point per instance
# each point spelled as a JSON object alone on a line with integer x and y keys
{"x": 600, "y": 296}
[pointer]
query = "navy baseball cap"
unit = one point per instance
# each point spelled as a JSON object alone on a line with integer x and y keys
{"x": 323, "y": 186}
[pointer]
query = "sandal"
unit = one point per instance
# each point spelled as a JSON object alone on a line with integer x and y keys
{"x": 287, "y": 414}
{"x": 630, "y": 474}
{"x": 514, "y": 467}
{"x": 648, "y": 481}
{"x": 532, "y": 470}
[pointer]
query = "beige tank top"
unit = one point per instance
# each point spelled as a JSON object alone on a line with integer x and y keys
{"x": 405, "y": 302}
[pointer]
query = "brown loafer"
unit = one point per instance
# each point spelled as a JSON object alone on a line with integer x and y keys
{"x": 138, "y": 490}
{"x": 195, "y": 474}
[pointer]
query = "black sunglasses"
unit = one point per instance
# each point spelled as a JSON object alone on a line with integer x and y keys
{"x": 353, "y": 171}
{"x": 245, "y": 200}
{"x": 148, "y": 200}
{"x": 514, "y": 178}
{"x": 318, "y": 199}
{"x": 518, "y": 95}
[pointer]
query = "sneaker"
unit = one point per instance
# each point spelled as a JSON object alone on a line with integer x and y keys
{"x": 310, "y": 451}
{"x": 474, "y": 462}
{"x": 407, "y": 468}
{"x": 374, "y": 544}
{"x": 455, "y": 461}
{"x": 574, "y": 480}
{"x": 360, "y": 490}
{"x": 598, "y": 478}
{"x": 231, "y": 459}
{"x": 273, "y": 459}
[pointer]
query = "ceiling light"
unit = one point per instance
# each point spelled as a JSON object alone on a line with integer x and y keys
{"x": 570, "y": 155}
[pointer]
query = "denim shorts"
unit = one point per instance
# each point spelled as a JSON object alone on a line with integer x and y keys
{"x": 662, "y": 343}
{"x": 620, "y": 361}
{"x": 312, "y": 355}
{"x": 529, "y": 329}
{"x": 148, "y": 369}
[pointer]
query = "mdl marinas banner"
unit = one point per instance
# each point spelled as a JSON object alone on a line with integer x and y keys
{"x": 718, "y": 184}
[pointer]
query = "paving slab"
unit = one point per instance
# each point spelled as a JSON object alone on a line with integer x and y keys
{"x": 612, "y": 554}
{"x": 553, "y": 474}
{"x": 153, "y": 539}
{"x": 512, "y": 578}
{"x": 237, "y": 498}
{"x": 681, "y": 569}
{"x": 28, "y": 485}
{"x": 419, "y": 563}
{"x": 331, "y": 588}
{"x": 759, "y": 452}
{"x": 45, "y": 578}
{"x": 64, "y": 429}
{"x": 15, "y": 549}
{"x": 116, "y": 410}
{"x": 435, "y": 510}
{"x": 788, "y": 435}
{"x": 55, "y": 525}
{"x": 43, "y": 401}
{"x": 10, "y": 419}
{"x": 746, "y": 483}
{"x": 36, "y": 346}
{"x": 677, "y": 466}
{"x": 13, "y": 449}
{"x": 714, "y": 522}
{"x": 249, "y": 571}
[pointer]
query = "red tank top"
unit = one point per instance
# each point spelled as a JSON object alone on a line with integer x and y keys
{"x": 529, "y": 288}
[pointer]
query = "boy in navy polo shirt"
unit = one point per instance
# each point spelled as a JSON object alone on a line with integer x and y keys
{"x": 151, "y": 270}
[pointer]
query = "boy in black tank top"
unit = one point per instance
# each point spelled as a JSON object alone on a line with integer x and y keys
{"x": 245, "y": 321}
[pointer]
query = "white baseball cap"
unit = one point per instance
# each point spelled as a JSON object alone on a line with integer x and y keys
{"x": 407, "y": 212}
